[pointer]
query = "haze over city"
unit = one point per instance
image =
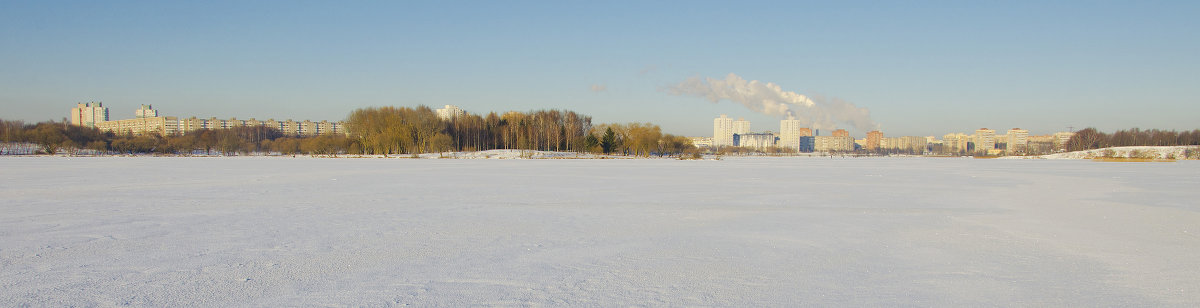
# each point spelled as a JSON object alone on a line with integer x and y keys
{"x": 920, "y": 69}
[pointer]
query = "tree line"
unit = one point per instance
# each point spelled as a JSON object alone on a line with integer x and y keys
{"x": 405, "y": 130}
{"x": 1091, "y": 138}
{"x": 376, "y": 131}
{"x": 636, "y": 139}
{"x": 54, "y": 137}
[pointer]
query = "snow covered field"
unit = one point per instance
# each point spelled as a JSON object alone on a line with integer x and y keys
{"x": 265, "y": 231}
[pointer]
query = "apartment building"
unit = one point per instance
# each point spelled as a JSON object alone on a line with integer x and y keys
{"x": 148, "y": 121}
{"x": 872, "y": 141}
{"x": 985, "y": 140}
{"x": 722, "y": 131}
{"x": 88, "y": 114}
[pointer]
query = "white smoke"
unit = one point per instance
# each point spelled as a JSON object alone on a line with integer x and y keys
{"x": 770, "y": 99}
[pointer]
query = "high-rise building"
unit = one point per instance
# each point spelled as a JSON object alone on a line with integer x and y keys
{"x": 985, "y": 140}
{"x": 955, "y": 143}
{"x": 449, "y": 112}
{"x": 722, "y": 132}
{"x": 872, "y": 142}
{"x": 841, "y": 133}
{"x": 789, "y": 133}
{"x": 1018, "y": 140}
{"x": 146, "y": 111}
{"x": 89, "y": 114}
{"x": 741, "y": 126}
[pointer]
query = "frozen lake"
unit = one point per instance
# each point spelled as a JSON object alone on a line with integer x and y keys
{"x": 738, "y": 232}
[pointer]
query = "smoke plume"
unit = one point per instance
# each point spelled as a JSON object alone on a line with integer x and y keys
{"x": 770, "y": 99}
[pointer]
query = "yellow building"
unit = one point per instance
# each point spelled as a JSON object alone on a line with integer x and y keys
{"x": 148, "y": 121}
{"x": 985, "y": 140}
{"x": 1017, "y": 140}
{"x": 88, "y": 114}
{"x": 164, "y": 126}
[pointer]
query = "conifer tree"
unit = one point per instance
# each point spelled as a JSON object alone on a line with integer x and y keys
{"x": 609, "y": 141}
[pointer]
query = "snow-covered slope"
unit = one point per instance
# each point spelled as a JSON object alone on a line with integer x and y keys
{"x": 1151, "y": 152}
{"x": 273, "y": 231}
{"x": 510, "y": 154}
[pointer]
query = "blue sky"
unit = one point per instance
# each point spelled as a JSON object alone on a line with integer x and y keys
{"x": 921, "y": 68}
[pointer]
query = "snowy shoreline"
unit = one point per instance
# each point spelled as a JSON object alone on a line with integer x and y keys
{"x": 1136, "y": 152}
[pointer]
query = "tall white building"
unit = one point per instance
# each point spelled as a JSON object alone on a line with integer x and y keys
{"x": 722, "y": 132}
{"x": 89, "y": 114}
{"x": 985, "y": 140}
{"x": 741, "y": 126}
{"x": 1018, "y": 140}
{"x": 789, "y": 133}
{"x": 449, "y": 112}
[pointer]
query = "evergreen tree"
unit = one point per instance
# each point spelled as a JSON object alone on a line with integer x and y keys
{"x": 590, "y": 142}
{"x": 609, "y": 141}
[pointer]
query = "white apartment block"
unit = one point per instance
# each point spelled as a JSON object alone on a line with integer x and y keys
{"x": 89, "y": 114}
{"x": 955, "y": 143}
{"x": 449, "y": 112}
{"x": 985, "y": 140}
{"x": 146, "y": 111}
{"x": 760, "y": 141}
{"x": 722, "y": 132}
{"x": 741, "y": 126}
{"x": 789, "y": 133}
{"x": 1017, "y": 139}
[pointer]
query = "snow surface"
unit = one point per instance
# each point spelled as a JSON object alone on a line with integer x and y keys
{"x": 274, "y": 231}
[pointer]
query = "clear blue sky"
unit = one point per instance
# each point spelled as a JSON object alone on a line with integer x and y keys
{"x": 921, "y": 68}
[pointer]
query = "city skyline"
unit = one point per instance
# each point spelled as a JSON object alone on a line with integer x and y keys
{"x": 947, "y": 68}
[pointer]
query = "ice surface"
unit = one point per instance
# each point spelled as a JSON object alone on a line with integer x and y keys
{"x": 737, "y": 232}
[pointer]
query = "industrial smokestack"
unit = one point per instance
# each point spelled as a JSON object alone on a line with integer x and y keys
{"x": 770, "y": 99}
